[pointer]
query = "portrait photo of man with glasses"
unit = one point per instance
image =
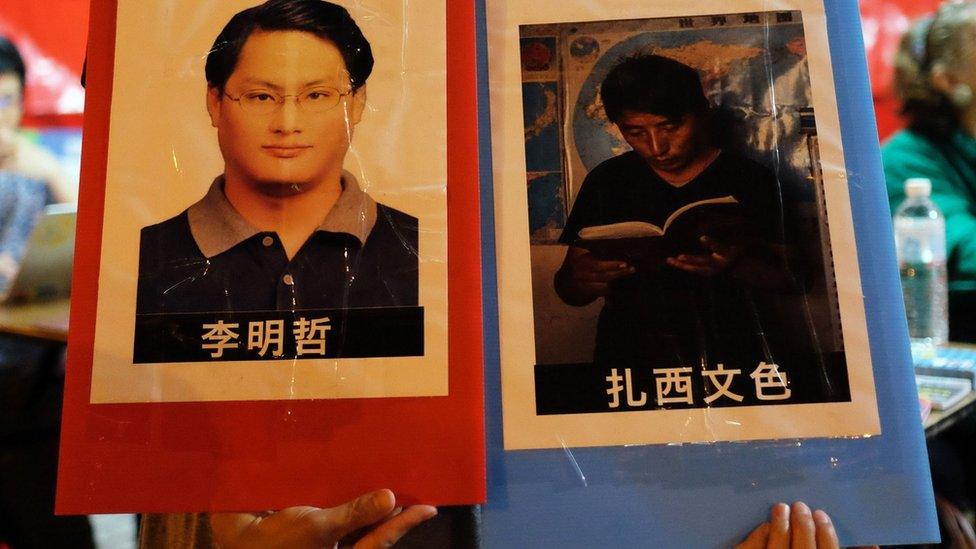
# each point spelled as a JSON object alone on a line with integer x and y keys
{"x": 275, "y": 220}
{"x": 284, "y": 227}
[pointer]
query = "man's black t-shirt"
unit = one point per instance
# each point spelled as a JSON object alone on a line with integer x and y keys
{"x": 331, "y": 271}
{"x": 665, "y": 317}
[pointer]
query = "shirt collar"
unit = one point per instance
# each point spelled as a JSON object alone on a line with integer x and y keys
{"x": 217, "y": 227}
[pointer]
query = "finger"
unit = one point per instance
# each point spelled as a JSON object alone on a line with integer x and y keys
{"x": 720, "y": 249}
{"x": 826, "y": 534}
{"x": 608, "y": 270}
{"x": 756, "y": 539}
{"x": 390, "y": 531}
{"x": 599, "y": 265}
{"x": 721, "y": 260}
{"x": 337, "y": 522}
{"x": 712, "y": 244}
{"x": 604, "y": 275}
{"x": 697, "y": 260}
{"x": 779, "y": 527}
{"x": 353, "y": 537}
{"x": 693, "y": 268}
{"x": 801, "y": 527}
{"x": 228, "y": 527}
{"x": 712, "y": 263}
{"x": 688, "y": 268}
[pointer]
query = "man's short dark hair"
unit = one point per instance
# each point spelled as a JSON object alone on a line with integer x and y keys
{"x": 652, "y": 84}
{"x": 324, "y": 19}
{"x": 11, "y": 62}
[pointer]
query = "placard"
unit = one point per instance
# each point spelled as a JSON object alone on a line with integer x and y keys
{"x": 876, "y": 489}
{"x": 273, "y": 291}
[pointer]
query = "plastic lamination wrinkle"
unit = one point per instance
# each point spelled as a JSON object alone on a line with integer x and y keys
{"x": 190, "y": 279}
{"x": 572, "y": 459}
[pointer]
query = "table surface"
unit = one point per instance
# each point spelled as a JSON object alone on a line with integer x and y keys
{"x": 939, "y": 421}
{"x": 46, "y": 320}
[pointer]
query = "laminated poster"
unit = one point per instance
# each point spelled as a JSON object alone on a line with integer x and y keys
{"x": 277, "y": 295}
{"x": 677, "y": 229}
{"x": 699, "y": 313}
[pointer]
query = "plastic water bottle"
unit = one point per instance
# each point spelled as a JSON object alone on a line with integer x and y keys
{"x": 921, "y": 247}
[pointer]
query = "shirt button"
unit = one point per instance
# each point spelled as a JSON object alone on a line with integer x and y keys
{"x": 267, "y": 241}
{"x": 287, "y": 279}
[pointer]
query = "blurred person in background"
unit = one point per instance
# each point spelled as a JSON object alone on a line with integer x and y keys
{"x": 935, "y": 79}
{"x": 30, "y": 177}
{"x": 30, "y": 383}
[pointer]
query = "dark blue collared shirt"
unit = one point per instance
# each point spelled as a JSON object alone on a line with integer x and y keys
{"x": 209, "y": 259}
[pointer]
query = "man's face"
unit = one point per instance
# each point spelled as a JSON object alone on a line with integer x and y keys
{"x": 11, "y": 111}
{"x": 668, "y": 145}
{"x": 290, "y": 145}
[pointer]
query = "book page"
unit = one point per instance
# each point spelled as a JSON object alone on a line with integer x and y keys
{"x": 677, "y": 213}
{"x": 627, "y": 229}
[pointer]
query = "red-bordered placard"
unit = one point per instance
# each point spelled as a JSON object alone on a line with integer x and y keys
{"x": 261, "y": 454}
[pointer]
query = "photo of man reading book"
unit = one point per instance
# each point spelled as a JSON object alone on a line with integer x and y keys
{"x": 696, "y": 295}
{"x": 284, "y": 227}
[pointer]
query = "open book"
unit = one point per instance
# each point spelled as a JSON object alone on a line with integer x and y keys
{"x": 645, "y": 244}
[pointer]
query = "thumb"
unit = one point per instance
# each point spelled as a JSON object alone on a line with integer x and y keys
{"x": 714, "y": 245}
{"x": 367, "y": 509}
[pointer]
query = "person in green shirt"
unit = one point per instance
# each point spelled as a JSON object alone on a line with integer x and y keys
{"x": 935, "y": 75}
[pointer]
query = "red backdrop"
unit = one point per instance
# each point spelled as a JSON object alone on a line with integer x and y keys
{"x": 884, "y": 22}
{"x": 52, "y": 37}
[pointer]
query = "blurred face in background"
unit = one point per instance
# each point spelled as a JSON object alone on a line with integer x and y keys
{"x": 11, "y": 111}
{"x": 963, "y": 72}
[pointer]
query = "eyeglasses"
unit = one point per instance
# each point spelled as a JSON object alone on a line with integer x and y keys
{"x": 315, "y": 100}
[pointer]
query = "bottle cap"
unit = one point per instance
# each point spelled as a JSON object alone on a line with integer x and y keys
{"x": 918, "y": 186}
